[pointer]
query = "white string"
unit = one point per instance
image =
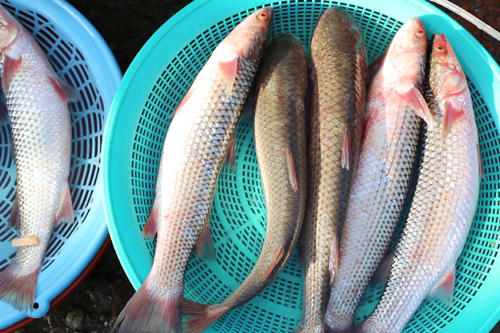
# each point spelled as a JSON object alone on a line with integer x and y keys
{"x": 469, "y": 17}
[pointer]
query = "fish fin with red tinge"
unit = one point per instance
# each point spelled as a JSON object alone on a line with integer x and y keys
{"x": 276, "y": 259}
{"x": 151, "y": 227}
{"x": 146, "y": 312}
{"x": 65, "y": 212}
{"x": 453, "y": 112}
{"x": 443, "y": 290}
{"x": 414, "y": 98}
{"x": 16, "y": 289}
{"x": 229, "y": 68}
{"x": 199, "y": 315}
{"x": 71, "y": 94}
{"x": 65, "y": 92}
{"x": 10, "y": 67}
{"x": 205, "y": 245}
{"x": 292, "y": 173}
{"x": 381, "y": 275}
{"x": 15, "y": 217}
{"x": 184, "y": 100}
{"x": 333, "y": 263}
{"x": 346, "y": 144}
{"x": 231, "y": 156}
{"x": 249, "y": 107}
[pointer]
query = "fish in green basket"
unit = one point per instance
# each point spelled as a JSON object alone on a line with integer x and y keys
{"x": 280, "y": 144}
{"x": 385, "y": 166}
{"x": 444, "y": 203}
{"x": 337, "y": 115}
{"x": 37, "y": 104}
{"x": 195, "y": 147}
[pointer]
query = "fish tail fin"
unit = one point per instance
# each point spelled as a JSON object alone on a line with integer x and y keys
{"x": 18, "y": 290}
{"x": 200, "y": 316}
{"x": 146, "y": 312}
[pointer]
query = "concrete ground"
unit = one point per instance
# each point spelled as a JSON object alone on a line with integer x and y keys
{"x": 126, "y": 25}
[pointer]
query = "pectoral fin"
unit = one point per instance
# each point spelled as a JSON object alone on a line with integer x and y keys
{"x": 414, "y": 98}
{"x": 229, "y": 68}
{"x": 10, "y": 67}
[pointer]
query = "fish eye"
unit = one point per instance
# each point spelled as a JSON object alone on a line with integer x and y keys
{"x": 439, "y": 48}
{"x": 263, "y": 16}
{"x": 420, "y": 33}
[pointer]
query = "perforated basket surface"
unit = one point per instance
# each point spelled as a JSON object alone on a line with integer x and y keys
{"x": 81, "y": 57}
{"x": 156, "y": 82}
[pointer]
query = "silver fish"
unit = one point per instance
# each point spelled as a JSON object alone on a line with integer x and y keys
{"x": 196, "y": 145}
{"x": 444, "y": 203}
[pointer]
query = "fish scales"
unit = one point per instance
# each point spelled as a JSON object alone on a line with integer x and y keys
{"x": 280, "y": 143}
{"x": 444, "y": 203}
{"x": 36, "y": 101}
{"x": 337, "y": 110}
{"x": 194, "y": 151}
{"x": 385, "y": 166}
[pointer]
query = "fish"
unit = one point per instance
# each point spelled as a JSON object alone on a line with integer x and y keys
{"x": 385, "y": 165}
{"x": 193, "y": 154}
{"x": 280, "y": 144}
{"x": 445, "y": 199}
{"x": 338, "y": 61}
{"x": 37, "y": 105}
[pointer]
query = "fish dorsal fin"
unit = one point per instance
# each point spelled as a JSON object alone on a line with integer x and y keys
{"x": 414, "y": 98}
{"x": 443, "y": 290}
{"x": 231, "y": 156}
{"x": 65, "y": 92}
{"x": 205, "y": 244}
{"x": 10, "y": 67}
{"x": 228, "y": 69}
{"x": 151, "y": 227}
{"x": 65, "y": 212}
{"x": 184, "y": 100}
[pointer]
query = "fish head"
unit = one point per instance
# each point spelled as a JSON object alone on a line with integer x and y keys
{"x": 407, "y": 52}
{"x": 250, "y": 37}
{"x": 10, "y": 28}
{"x": 446, "y": 74}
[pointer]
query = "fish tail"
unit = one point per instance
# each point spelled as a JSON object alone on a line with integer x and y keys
{"x": 200, "y": 316}
{"x": 18, "y": 290}
{"x": 146, "y": 312}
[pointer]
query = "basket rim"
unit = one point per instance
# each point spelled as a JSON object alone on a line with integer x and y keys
{"x": 483, "y": 321}
{"x": 74, "y": 257}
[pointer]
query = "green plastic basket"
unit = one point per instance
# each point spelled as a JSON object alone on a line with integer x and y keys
{"x": 156, "y": 82}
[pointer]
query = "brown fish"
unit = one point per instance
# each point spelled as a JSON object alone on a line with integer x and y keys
{"x": 337, "y": 113}
{"x": 280, "y": 143}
